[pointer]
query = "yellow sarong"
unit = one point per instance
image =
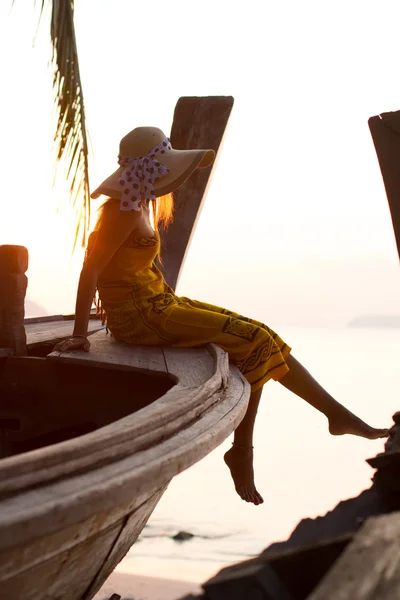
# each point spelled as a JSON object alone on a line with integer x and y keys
{"x": 142, "y": 309}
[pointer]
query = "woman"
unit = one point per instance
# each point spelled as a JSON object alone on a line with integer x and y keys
{"x": 142, "y": 309}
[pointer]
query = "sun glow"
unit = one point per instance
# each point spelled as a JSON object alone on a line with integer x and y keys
{"x": 318, "y": 203}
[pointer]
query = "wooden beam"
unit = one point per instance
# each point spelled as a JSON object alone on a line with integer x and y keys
{"x": 385, "y": 131}
{"x": 39, "y": 333}
{"x": 369, "y": 569}
{"x": 13, "y": 284}
{"x": 198, "y": 123}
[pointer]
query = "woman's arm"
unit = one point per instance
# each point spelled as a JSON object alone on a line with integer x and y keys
{"x": 84, "y": 298}
{"x": 113, "y": 231}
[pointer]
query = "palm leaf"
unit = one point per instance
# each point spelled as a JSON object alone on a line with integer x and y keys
{"x": 70, "y": 136}
{"x": 71, "y": 140}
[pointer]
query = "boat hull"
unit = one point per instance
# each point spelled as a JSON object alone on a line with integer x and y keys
{"x": 70, "y": 511}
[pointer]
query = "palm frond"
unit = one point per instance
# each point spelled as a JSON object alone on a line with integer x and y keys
{"x": 70, "y": 137}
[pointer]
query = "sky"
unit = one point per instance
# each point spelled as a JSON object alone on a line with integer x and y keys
{"x": 295, "y": 229}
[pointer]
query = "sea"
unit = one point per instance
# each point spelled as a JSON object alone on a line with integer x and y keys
{"x": 301, "y": 470}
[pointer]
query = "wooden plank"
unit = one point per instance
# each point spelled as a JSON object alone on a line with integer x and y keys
{"x": 67, "y": 317}
{"x": 106, "y": 352}
{"x": 44, "y": 319}
{"x": 65, "y": 575}
{"x": 198, "y": 123}
{"x": 131, "y": 434}
{"x": 61, "y": 503}
{"x": 193, "y": 367}
{"x": 130, "y": 531}
{"x": 369, "y": 569}
{"x": 16, "y": 559}
{"x": 13, "y": 284}
{"x": 385, "y": 131}
{"x": 5, "y": 352}
{"x": 52, "y": 332}
{"x": 13, "y": 259}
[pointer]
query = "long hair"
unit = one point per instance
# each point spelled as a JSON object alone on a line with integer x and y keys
{"x": 161, "y": 214}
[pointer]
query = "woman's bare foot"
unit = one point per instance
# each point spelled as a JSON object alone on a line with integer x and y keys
{"x": 343, "y": 421}
{"x": 240, "y": 462}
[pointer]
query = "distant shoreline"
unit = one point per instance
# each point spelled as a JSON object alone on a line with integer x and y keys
{"x": 376, "y": 321}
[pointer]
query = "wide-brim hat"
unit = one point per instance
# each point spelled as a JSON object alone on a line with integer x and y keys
{"x": 180, "y": 163}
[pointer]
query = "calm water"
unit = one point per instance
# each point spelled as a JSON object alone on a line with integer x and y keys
{"x": 301, "y": 470}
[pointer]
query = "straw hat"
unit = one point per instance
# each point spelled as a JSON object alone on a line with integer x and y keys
{"x": 150, "y": 167}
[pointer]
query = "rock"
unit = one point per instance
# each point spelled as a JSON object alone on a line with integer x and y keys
{"x": 246, "y": 581}
{"x": 183, "y": 536}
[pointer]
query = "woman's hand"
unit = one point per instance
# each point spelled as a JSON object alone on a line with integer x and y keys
{"x": 72, "y": 343}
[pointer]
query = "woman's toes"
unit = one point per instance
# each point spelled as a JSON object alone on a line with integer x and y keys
{"x": 259, "y": 498}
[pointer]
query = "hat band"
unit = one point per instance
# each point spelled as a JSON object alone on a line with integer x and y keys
{"x": 140, "y": 174}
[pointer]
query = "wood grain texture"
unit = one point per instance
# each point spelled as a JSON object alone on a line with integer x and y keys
{"x": 192, "y": 368}
{"x": 13, "y": 284}
{"x": 13, "y": 259}
{"x": 106, "y": 352}
{"x": 70, "y": 511}
{"x": 385, "y": 131}
{"x": 65, "y": 501}
{"x": 198, "y": 123}
{"x": 79, "y": 569}
{"x": 5, "y": 352}
{"x": 369, "y": 569}
{"x": 64, "y": 575}
{"x": 54, "y": 331}
{"x": 16, "y": 559}
{"x": 132, "y": 526}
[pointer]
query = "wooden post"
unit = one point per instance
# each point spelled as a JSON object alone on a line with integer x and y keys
{"x": 385, "y": 131}
{"x": 13, "y": 284}
{"x": 198, "y": 123}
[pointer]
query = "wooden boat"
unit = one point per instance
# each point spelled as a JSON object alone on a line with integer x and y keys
{"x": 90, "y": 442}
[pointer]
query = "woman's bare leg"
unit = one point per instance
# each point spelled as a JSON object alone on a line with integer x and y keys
{"x": 299, "y": 381}
{"x": 240, "y": 457}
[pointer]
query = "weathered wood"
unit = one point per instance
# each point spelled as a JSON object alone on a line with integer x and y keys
{"x": 128, "y": 534}
{"x": 4, "y": 352}
{"x": 164, "y": 419}
{"x": 106, "y": 352}
{"x": 65, "y": 538}
{"x": 97, "y": 501}
{"x": 13, "y": 283}
{"x": 67, "y": 317}
{"x": 369, "y": 569}
{"x": 61, "y": 575}
{"x": 45, "y": 332}
{"x": 41, "y": 511}
{"x": 13, "y": 259}
{"x": 385, "y": 131}
{"x": 135, "y": 432}
{"x": 191, "y": 367}
{"x": 198, "y": 123}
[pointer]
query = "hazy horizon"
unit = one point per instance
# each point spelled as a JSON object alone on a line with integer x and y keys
{"x": 295, "y": 229}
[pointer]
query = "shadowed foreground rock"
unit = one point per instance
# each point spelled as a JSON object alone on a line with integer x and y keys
{"x": 292, "y": 570}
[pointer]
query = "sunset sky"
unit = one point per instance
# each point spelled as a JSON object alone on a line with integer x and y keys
{"x": 296, "y": 226}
